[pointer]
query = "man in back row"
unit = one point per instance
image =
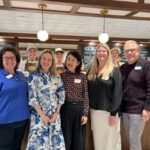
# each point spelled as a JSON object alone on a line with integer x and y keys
{"x": 26, "y": 66}
{"x": 59, "y": 56}
{"x": 30, "y": 64}
{"x": 136, "y": 94}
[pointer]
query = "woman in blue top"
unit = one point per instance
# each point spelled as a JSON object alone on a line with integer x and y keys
{"x": 14, "y": 110}
{"x": 46, "y": 95}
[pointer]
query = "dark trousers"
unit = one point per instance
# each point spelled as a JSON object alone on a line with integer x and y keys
{"x": 73, "y": 131}
{"x": 11, "y": 135}
{"x": 25, "y": 138}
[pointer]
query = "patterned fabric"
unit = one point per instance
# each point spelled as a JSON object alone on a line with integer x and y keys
{"x": 48, "y": 92}
{"x": 76, "y": 89}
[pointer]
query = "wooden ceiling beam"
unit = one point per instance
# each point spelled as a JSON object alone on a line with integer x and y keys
{"x": 131, "y": 14}
{"x": 133, "y": 7}
{"x": 27, "y": 35}
{"x": 140, "y": 6}
{"x": 22, "y": 37}
{"x": 7, "y": 4}
{"x": 75, "y": 9}
{"x": 141, "y": 1}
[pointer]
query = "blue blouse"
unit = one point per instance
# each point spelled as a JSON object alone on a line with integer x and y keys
{"x": 46, "y": 90}
{"x": 13, "y": 97}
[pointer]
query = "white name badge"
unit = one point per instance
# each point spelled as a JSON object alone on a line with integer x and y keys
{"x": 26, "y": 73}
{"x": 9, "y": 76}
{"x": 137, "y": 68}
{"x": 77, "y": 80}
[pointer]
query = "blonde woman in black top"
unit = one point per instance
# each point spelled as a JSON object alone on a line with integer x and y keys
{"x": 105, "y": 93}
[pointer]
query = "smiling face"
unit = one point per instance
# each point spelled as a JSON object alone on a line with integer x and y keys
{"x": 59, "y": 56}
{"x": 115, "y": 56}
{"x": 101, "y": 54}
{"x": 46, "y": 62}
{"x": 71, "y": 63}
{"x": 9, "y": 61}
{"x": 31, "y": 54}
{"x": 131, "y": 51}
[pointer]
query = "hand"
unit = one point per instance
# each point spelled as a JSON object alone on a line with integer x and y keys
{"x": 145, "y": 115}
{"x": 53, "y": 117}
{"x": 112, "y": 120}
{"x": 45, "y": 119}
{"x": 84, "y": 120}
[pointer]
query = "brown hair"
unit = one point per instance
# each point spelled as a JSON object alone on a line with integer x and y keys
{"x": 12, "y": 50}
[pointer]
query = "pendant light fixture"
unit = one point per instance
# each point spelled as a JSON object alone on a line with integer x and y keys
{"x": 42, "y": 34}
{"x": 103, "y": 37}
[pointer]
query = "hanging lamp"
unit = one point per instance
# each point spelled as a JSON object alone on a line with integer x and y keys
{"x": 103, "y": 37}
{"x": 42, "y": 34}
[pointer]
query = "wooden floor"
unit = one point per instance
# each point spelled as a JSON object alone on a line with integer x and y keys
{"x": 145, "y": 138}
{"x": 89, "y": 139}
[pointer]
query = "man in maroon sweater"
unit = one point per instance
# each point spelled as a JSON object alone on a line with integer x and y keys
{"x": 136, "y": 94}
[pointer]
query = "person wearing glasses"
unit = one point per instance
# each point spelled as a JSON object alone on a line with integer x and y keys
{"x": 14, "y": 110}
{"x": 136, "y": 94}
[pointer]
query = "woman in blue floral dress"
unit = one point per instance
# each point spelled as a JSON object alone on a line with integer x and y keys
{"x": 46, "y": 95}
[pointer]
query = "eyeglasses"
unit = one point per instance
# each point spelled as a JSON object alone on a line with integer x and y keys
{"x": 130, "y": 50}
{"x": 9, "y": 58}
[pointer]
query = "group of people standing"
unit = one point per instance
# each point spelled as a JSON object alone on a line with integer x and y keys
{"x": 57, "y": 105}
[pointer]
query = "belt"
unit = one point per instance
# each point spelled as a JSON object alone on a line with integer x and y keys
{"x": 73, "y": 102}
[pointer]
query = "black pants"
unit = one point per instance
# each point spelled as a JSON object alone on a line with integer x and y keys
{"x": 11, "y": 135}
{"x": 73, "y": 131}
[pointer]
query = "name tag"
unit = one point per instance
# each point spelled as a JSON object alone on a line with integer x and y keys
{"x": 137, "y": 68}
{"x": 9, "y": 76}
{"x": 26, "y": 73}
{"x": 77, "y": 80}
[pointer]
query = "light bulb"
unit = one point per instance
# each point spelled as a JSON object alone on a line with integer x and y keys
{"x": 42, "y": 35}
{"x": 103, "y": 38}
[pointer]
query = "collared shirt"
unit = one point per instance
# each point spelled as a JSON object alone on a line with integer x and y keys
{"x": 13, "y": 97}
{"x": 46, "y": 90}
{"x": 76, "y": 89}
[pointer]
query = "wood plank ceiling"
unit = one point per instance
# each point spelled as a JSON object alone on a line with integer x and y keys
{"x": 75, "y": 21}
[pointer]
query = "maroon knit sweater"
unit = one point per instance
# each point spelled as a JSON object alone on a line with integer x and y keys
{"x": 136, "y": 86}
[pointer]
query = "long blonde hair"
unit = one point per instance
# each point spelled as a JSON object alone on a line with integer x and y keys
{"x": 107, "y": 70}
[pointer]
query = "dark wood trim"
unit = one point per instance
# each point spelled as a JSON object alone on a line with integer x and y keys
{"x": 131, "y": 14}
{"x": 109, "y": 4}
{"x": 7, "y": 4}
{"x": 76, "y": 4}
{"x": 22, "y": 37}
{"x": 75, "y": 9}
{"x": 141, "y": 1}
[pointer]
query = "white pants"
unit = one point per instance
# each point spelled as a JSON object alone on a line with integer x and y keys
{"x": 105, "y": 137}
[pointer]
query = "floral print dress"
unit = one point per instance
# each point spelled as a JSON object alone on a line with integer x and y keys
{"x": 48, "y": 92}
